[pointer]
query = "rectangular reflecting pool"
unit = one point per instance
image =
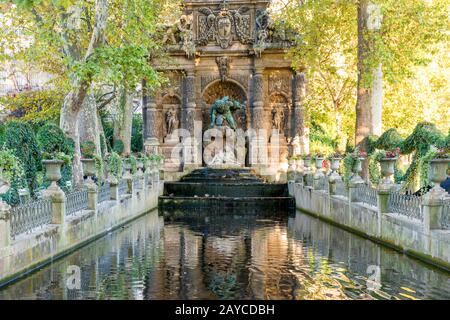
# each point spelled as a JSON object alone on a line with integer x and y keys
{"x": 232, "y": 255}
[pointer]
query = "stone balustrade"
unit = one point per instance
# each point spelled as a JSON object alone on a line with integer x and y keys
{"x": 34, "y": 233}
{"x": 417, "y": 226}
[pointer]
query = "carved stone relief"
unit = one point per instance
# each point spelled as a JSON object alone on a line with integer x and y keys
{"x": 223, "y": 26}
{"x": 279, "y": 82}
{"x": 223, "y": 63}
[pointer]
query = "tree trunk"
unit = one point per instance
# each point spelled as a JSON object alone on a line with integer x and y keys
{"x": 88, "y": 125}
{"x": 69, "y": 124}
{"x": 124, "y": 121}
{"x": 370, "y": 85}
{"x": 73, "y": 102}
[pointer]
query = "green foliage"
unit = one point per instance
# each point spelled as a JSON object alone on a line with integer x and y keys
{"x": 389, "y": 140}
{"x": 99, "y": 168}
{"x": 34, "y": 105}
{"x": 20, "y": 139}
{"x": 137, "y": 139}
{"x": 132, "y": 161}
{"x": 51, "y": 139}
{"x": 12, "y": 173}
{"x": 88, "y": 149}
{"x": 118, "y": 146}
{"x": 115, "y": 164}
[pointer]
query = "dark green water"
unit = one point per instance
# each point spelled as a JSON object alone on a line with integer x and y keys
{"x": 233, "y": 256}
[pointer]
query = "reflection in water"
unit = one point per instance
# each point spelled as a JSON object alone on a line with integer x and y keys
{"x": 232, "y": 256}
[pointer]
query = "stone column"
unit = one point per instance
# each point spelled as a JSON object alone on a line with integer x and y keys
{"x": 58, "y": 199}
{"x": 258, "y": 142}
{"x": 92, "y": 196}
{"x": 149, "y": 113}
{"x": 384, "y": 189}
{"x": 432, "y": 211}
{"x": 114, "y": 189}
{"x": 5, "y": 224}
{"x": 300, "y": 132}
{"x": 190, "y": 144}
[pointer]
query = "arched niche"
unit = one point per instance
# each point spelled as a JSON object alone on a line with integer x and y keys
{"x": 168, "y": 102}
{"x": 217, "y": 90}
{"x": 280, "y": 102}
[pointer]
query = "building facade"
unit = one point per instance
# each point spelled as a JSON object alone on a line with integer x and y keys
{"x": 227, "y": 48}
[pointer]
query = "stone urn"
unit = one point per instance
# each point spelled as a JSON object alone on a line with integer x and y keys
{"x": 291, "y": 170}
{"x": 307, "y": 164}
{"x": 438, "y": 174}
{"x": 299, "y": 171}
{"x": 127, "y": 169}
{"x": 140, "y": 167}
{"x": 318, "y": 175}
{"x": 88, "y": 167}
{"x": 335, "y": 164}
{"x": 356, "y": 171}
{"x": 318, "y": 163}
{"x": 387, "y": 166}
{"x": 53, "y": 170}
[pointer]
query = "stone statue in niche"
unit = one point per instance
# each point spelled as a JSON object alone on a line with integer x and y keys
{"x": 223, "y": 25}
{"x": 172, "y": 121}
{"x": 223, "y": 63}
{"x": 277, "y": 118}
{"x": 222, "y": 110}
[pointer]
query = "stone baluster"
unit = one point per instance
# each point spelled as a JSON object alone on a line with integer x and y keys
{"x": 114, "y": 188}
{"x": 5, "y": 224}
{"x": 54, "y": 192}
{"x": 334, "y": 178}
{"x": 92, "y": 190}
{"x": 319, "y": 176}
{"x": 432, "y": 211}
{"x": 299, "y": 171}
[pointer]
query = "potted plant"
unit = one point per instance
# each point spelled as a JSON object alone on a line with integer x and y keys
{"x": 335, "y": 160}
{"x": 387, "y": 160}
{"x": 307, "y": 161}
{"x": 88, "y": 150}
{"x": 53, "y": 163}
{"x": 353, "y": 165}
{"x": 439, "y": 163}
{"x": 318, "y": 158}
{"x": 115, "y": 165}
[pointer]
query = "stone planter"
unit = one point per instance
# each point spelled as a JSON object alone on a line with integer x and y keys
{"x": 127, "y": 169}
{"x": 291, "y": 170}
{"x": 387, "y": 166}
{"x": 88, "y": 167}
{"x": 140, "y": 168}
{"x": 356, "y": 170}
{"x": 318, "y": 163}
{"x": 438, "y": 173}
{"x": 53, "y": 169}
{"x": 307, "y": 164}
{"x": 335, "y": 164}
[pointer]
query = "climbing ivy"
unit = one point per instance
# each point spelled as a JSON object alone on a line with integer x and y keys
{"x": 20, "y": 139}
{"x": 115, "y": 165}
{"x": 12, "y": 172}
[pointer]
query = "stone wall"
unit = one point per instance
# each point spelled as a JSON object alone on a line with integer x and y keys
{"x": 392, "y": 229}
{"x": 30, "y": 251}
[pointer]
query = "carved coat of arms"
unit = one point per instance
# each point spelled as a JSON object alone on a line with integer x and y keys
{"x": 223, "y": 26}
